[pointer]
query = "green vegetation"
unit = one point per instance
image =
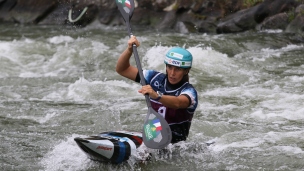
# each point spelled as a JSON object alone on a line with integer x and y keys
{"x": 291, "y": 15}
{"x": 301, "y": 1}
{"x": 250, "y": 3}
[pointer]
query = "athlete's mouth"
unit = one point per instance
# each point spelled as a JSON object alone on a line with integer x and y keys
{"x": 172, "y": 79}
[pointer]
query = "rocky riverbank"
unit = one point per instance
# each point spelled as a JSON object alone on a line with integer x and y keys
{"x": 184, "y": 16}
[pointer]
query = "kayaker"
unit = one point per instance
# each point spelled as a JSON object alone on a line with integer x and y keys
{"x": 170, "y": 93}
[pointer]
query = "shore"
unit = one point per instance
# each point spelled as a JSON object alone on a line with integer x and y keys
{"x": 183, "y": 16}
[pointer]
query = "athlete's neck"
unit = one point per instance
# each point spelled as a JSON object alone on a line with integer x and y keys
{"x": 177, "y": 85}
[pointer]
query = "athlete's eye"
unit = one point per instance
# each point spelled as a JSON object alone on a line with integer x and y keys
{"x": 178, "y": 69}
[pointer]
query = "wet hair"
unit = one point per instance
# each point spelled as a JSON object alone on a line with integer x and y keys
{"x": 186, "y": 78}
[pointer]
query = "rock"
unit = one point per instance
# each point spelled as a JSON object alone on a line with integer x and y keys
{"x": 107, "y": 15}
{"x": 5, "y": 8}
{"x": 238, "y": 22}
{"x": 185, "y": 27}
{"x": 297, "y": 28}
{"x": 32, "y": 11}
{"x": 164, "y": 5}
{"x": 59, "y": 15}
{"x": 212, "y": 13}
{"x": 246, "y": 21}
{"x": 207, "y": 27}
{"x": 299, "y": 9}
{"x": 168, "y": 22}
{"x": 147, "y": 17}
{"x": 228, "y": 27}
{"x": 185, "y": 16}
{"x": 278, "y": 21}
{"x": 273, "y": 7}
{"x": 232, "y": 6}
{"x": 297, "y": 25}
{"x": 72, "y": 13}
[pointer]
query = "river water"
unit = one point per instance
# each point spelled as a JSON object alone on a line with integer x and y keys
{"x": 58, "y": 83}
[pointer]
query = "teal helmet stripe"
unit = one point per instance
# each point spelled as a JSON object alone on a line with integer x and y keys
{"x": 179, "y": 57}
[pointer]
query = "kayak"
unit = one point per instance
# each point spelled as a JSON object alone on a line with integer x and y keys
{"x": 112, "y": 147}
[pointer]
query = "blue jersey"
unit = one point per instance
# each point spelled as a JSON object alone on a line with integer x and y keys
{"x": 179, "y": 120}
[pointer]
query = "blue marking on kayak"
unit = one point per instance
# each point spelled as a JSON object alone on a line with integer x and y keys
{"x": 122, "y": 152}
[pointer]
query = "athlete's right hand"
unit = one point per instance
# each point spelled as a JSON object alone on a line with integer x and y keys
{"x": 132, "y": 41}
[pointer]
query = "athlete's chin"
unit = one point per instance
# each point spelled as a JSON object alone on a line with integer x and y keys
{"x": 173, "y": 81}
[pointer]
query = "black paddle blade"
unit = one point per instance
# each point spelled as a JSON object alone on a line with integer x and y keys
{"x": 126, "y": 8}
{"x": 156, "y": 132}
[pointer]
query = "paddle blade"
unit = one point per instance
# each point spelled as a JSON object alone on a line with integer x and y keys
{"x": 156, "y": 132}
{"x": 126, "y": 8}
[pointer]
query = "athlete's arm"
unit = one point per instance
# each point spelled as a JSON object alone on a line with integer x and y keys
{"x": 179, "y": 102}
{"x": 123, "y": 66}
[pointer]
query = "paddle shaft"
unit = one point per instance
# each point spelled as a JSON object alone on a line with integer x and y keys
{"x": 138, "y": 64}
{"x": 156, "y": 139}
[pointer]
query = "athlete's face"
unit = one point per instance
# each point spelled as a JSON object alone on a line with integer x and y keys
{"x": 175, "y": 74}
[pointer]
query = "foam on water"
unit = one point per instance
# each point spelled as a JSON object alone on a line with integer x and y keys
{"x": 57, "y": 56}
{"x": 40, "y": 119}
{"x": 66, "y": 155}
{"x": 273, "y": 103}
{"x": 250, "y": 103}
{"x": 263, "y": 54}
{"x": 254, "y": 104}
{"x": 84, "y": 90}
{"x": 60, "y": 39}
{"x": 210, "y": 60}
{"x": 275, "y": 53}
{"x": 204, "y": 58}
{"x": 258, "y": 141}
{"x": 272, "y": 31}
{"x": 154, "y": 58}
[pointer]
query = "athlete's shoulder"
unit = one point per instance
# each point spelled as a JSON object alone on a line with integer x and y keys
{"x": 190, "y": 90}
{"x": 150, "y": 74}
{"x": 189, "y": 86}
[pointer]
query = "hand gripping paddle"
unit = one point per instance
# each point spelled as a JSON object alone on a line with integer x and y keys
{"x": 156, "y": 132}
